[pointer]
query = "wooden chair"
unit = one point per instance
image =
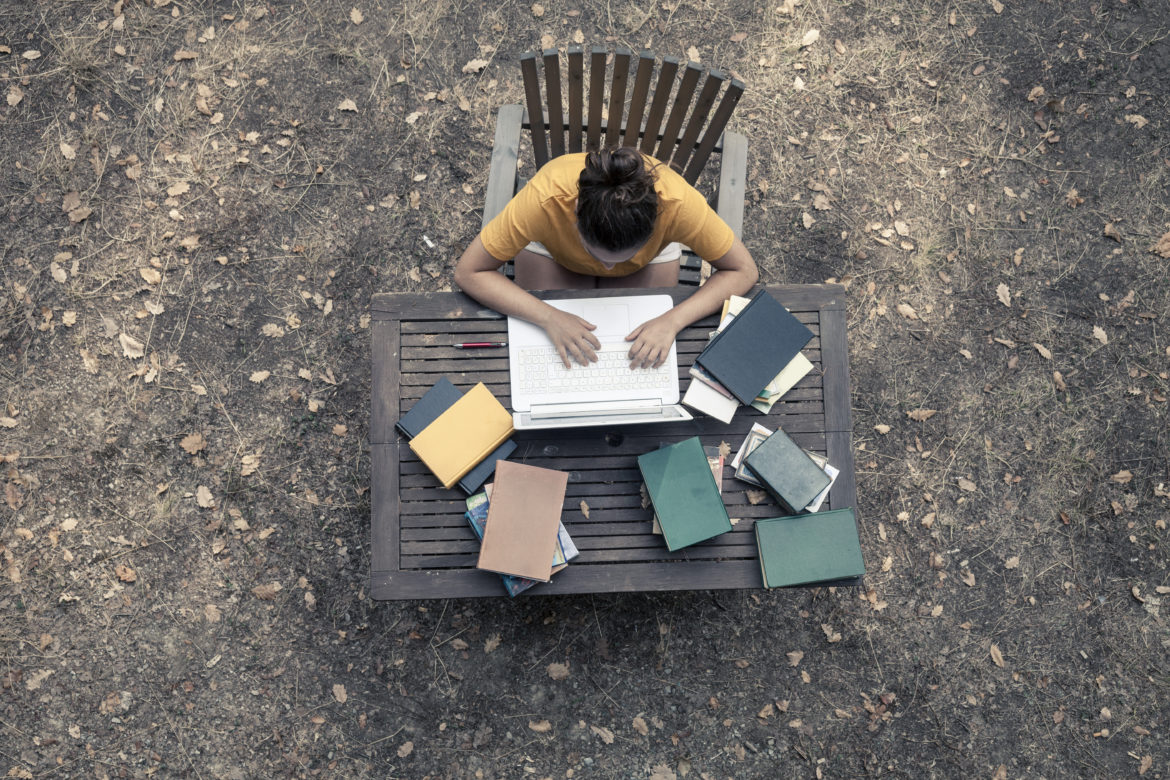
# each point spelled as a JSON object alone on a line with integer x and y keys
{"x": 670, "y": 124}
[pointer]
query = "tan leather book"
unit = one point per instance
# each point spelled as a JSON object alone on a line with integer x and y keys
{"x": 523, "y": 518}
{"x": 459, "y": 438}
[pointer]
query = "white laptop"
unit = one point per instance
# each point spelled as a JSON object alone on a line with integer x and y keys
{"x": 545, "y": 394}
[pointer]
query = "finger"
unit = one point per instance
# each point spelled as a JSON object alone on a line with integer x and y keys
{"x": 593, "y": 341}
{"x": 634, "y": 333}
{"x": 586, "y": 323}
{"x": 587, "y": 350}
{"x": 564, "y": 353}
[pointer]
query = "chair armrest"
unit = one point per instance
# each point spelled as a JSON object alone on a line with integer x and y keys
{"x": 501, "y": 184}
{"x": 729, "y": 196}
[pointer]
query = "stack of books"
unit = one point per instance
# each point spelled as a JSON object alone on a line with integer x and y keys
{"x": 518, "y": 522}
{"x": 459, "y": 437}
{"x": 798, "y": 479}
{"x": 753, "y": 358}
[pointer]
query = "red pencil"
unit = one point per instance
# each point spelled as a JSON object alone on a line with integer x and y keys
{"x": 480, "y": 344}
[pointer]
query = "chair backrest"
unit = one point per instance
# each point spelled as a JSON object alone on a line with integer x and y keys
{"x": 671, "y": 132}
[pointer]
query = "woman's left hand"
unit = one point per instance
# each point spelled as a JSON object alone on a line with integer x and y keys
{"x": 652, "y": 341}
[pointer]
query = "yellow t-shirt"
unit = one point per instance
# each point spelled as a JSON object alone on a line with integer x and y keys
{"x": 544, "y": 211}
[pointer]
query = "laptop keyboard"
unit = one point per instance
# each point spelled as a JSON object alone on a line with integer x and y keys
{"x": 539, "y": 369}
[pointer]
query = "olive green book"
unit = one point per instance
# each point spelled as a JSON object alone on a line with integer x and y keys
{"x": 807, "y": 549}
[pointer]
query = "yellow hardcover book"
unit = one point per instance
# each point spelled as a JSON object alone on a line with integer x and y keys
{"x": 462, "y": 436}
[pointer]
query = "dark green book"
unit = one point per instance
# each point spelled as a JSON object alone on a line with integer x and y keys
{"x": 807, "y": 549}
{"x": 786, "y": 471}
{"x": 684, "y": 494}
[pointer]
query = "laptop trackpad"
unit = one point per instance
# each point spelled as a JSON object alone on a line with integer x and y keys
{"x": 610, "y": 319}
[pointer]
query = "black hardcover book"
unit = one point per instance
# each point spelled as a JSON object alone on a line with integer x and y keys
{"x": 754, "y": 347}
{"x": 480, "y": 474}
{"x": 426, "y": 409}
{"x": 787, "y": 472}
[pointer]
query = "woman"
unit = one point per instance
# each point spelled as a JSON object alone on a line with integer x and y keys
{"x": 603, "y": 220}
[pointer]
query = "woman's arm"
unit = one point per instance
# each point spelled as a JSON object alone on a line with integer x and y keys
{"x": 735, "y": 273}
{"x": 477, "y": 274}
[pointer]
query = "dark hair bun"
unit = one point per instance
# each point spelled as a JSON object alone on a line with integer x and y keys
{"x": 616, "y": 201}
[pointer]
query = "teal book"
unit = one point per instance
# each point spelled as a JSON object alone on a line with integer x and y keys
{"x": 684, "y": 494}
{"x": 786, "y": 471}
{"x": 809, "y": 549}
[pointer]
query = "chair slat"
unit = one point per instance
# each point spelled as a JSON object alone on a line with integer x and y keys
{"x": 682, "y": 103}
{"x": 552, "y": 87}
{"x": 576, "y": 95}
{"x": 714, "y": 131}
{"x": 535, "y": 107}
{"x": 596, "y": 97}
{"x": 658, "y": 106}
{"x": 702, "y": 108}
{"x": 638, "y": 98}
{"x": 617, "y": 97}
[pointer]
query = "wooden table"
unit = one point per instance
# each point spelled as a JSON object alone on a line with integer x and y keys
{"x": 422, "y": 545}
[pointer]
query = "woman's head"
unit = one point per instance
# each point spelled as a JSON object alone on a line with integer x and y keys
{"x": 616, "y": 201}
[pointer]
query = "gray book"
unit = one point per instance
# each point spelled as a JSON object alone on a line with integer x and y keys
{"x": 786, "y": 471}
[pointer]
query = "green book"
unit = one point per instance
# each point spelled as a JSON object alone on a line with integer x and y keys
{"x": 807, "y": 549}
{"x": 684, "y": 494}
{"x": 786, "y": 471}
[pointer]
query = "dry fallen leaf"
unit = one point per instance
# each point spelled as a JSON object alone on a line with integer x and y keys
{"x": 882, "y": 428}
{"x": 475, "y": 66}
{"x": 1043, "y": 350}
{"x": 1100, "y": 335}
{"x": 125, "y": 573}
{"x": 584, "y": 509}
{"x": 756, "y": 497}
{"x": 921, "y": 415}
{"x": 259, "y": 376}
{"x": 1058, "y": 380}
{"x": 150, "y": 275}
{"x": 795, "y": 657}
{"x": 193, "y": 443}
{"x": 131, "y": 347}
{"x": 1122, "y": 477}
{"x": 830, "y": 634}
{"x": 355, "y": 16}
{"x": 1137, "y": 120}
{"x": 347, "y": 105}
{"x": 211, "y": 613}
{"x": 339, "y": 693}
{"x": 203, "y": 497}
{"x": 966, "y": 484}
{"x": 185, "y": 54}
{"x": 540, "y": 726}
{"x": 1012, "y": 562}
{"x": 807, "y": 220}
{"x": 339, "y": 429}
{"x": 558, "y": 671}
{"x": 1162, "y": 247}
{"x": 810, "y": 37}
{"x": 267, "y": 592}
{"x": 639, "y": 725}
{"x": 907, "y": 311}
{"x": 492, "y": 643}
{"x": 996, "y": 656}
{"x": 15, "y": 95}
{"x": 605, "y": 734}
{"x": 1111, "y": 231}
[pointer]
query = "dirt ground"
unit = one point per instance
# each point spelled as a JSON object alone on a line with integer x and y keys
{"x": 199, "y": 199}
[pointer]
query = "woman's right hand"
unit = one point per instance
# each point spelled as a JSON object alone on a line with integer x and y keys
{"x": 571, "y": 335}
